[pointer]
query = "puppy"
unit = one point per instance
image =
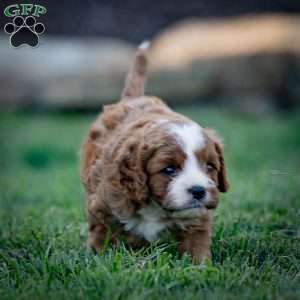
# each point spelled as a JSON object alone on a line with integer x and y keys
{"x": 148, "y": 170}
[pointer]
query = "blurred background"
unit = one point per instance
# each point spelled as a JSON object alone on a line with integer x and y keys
{"x": 230, "y": 65}
{"x": 242, "y": 55}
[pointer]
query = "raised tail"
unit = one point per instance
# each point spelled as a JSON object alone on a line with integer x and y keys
{"x": 136, "y": 77}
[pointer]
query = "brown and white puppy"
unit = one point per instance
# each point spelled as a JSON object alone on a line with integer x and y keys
{"x": 148, "y": 171}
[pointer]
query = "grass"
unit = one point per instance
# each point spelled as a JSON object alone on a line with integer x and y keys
{"x": 256, "y": 243}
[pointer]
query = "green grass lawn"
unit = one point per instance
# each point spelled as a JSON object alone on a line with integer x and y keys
{"x": 256, "y": 243}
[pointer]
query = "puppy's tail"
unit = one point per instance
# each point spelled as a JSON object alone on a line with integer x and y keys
{"x": 136, "y": 77}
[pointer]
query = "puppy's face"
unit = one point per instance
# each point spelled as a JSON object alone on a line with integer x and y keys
{"x": 187, "y": 171}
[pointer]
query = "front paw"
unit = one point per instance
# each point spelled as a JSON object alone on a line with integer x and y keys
{"x": 94, "y": 243}
{"x": 98, "y": 237}
{"x": 202, "y": 259}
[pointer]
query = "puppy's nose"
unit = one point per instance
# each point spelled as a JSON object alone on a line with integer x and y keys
{"x": 197, "y": 191}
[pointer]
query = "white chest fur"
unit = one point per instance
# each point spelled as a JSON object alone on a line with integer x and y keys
{"x": 148, "y": 222}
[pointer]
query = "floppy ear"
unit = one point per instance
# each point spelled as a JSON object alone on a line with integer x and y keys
{"x": 223, "y": 184}
{"x": 222, "y": 175}
{"x": 132, "y": 175}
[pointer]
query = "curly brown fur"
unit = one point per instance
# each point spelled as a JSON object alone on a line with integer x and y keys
{"x": 126, "y": 157}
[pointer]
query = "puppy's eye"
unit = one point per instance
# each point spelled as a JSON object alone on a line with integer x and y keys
{"x": 210, "y": 167}
{"x": 169, "y": 170}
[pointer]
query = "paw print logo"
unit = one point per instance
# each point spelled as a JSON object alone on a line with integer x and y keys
{"x": 24, "y": 31}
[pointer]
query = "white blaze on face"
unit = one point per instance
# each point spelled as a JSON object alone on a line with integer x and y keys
{"x": 190, "y": 136}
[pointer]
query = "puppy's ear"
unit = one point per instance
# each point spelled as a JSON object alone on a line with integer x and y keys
{"x": 131, "y": 171}
{"x": 222, "y": 175}
{"x": 223, "y": 184}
